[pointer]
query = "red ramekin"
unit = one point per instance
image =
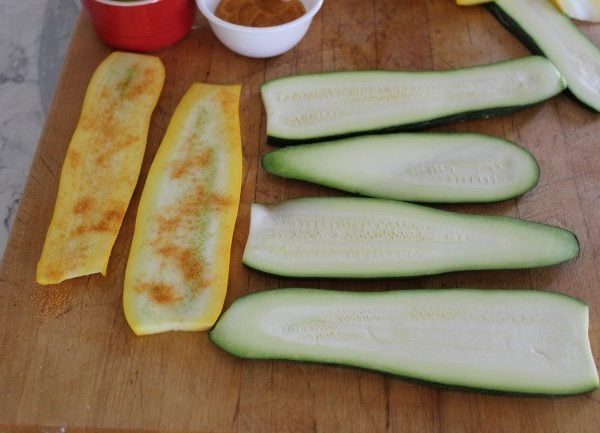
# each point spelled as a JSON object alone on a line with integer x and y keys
{"x": 142, "y": 25}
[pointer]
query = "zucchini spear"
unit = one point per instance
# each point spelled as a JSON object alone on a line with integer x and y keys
{"x": 516, "y": 341}
{"x": 546, "y": 30}
{"x": 366, "y": 237}
{"x": 312, "y": 107}
{"x": 421, "y": 167}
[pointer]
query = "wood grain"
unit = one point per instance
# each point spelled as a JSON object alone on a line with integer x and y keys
{"x": 68, "y": 359}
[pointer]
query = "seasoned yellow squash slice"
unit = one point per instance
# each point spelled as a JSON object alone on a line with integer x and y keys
{"x": 177, "y": 272}
{"x": 101, "y": 167}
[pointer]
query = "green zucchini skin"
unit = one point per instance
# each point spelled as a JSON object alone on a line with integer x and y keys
{"x": 513, "y": 341}
{"x": 314, "y": 107}
{"x": 514, "y": 15}
{"x": 512, "y": 26}
{"x": 418, "y": 167}
{"x": 356, "y": 237}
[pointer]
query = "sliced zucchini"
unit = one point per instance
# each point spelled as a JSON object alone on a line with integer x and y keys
{"x": 365, "y": 237}
{"x": 544, "y": 29}
{"x": 585, "y": 10}
{"x": 422, "y": 167}
{"x": 311, "y": 107}
{"x": 517, "y": 341}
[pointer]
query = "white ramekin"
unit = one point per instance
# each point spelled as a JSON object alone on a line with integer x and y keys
{"x": 259, "y": 42}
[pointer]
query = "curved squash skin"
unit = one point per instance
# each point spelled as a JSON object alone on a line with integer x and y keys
{"x": 177, "y": 272}
{"x": 101, "y": 166}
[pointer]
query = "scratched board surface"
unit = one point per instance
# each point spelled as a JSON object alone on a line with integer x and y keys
{"x": 69, "y": 362}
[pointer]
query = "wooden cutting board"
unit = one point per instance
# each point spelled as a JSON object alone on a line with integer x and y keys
{"x": 69, "y": 362}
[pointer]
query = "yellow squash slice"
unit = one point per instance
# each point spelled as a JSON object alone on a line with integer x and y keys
{"x": 101, "y": 167}
{"x": 178, "y": 267}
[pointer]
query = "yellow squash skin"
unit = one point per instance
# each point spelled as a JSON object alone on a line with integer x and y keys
{"x": 471, "y": 2}
{"x": 178, "y": 267}
{"x": 101, "y": 166}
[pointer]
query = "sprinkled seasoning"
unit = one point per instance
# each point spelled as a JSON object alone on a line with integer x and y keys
{"x": 101, "y": 167}
{"x": 177, "y": 271}
{"x": 260, "y": 13}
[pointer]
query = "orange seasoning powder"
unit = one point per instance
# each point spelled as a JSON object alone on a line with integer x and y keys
{"x": 260, "y": 13}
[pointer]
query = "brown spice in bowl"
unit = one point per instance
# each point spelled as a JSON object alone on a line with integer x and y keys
{"x": 260, "y": 13}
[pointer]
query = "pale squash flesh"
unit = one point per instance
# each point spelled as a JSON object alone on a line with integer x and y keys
{"x": 177, "y": 272}
{"x": 584, "y": 10}
{"x": 101, "y": 166}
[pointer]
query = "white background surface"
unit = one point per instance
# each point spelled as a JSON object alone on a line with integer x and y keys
{"x": 34, "y": 35}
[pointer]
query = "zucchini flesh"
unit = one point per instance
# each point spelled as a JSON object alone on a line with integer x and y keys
{"x": 518, "y": 341}
{"x": 365, "y": 237}
{"x": 178, "y": 266}
{"x": 422, "y": 167}
{"x": 584, "y": 10}
{"x": 544, "y": 29}
{"x": 101, "y": 167}
{"x": 311, "y": 107}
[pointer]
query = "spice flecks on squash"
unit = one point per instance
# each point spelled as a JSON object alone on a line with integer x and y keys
{"x": 101, "y": 166}
{"x": 178, "y": 267}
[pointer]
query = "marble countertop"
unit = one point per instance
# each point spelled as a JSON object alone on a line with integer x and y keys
{"x": 34, "y": 35}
